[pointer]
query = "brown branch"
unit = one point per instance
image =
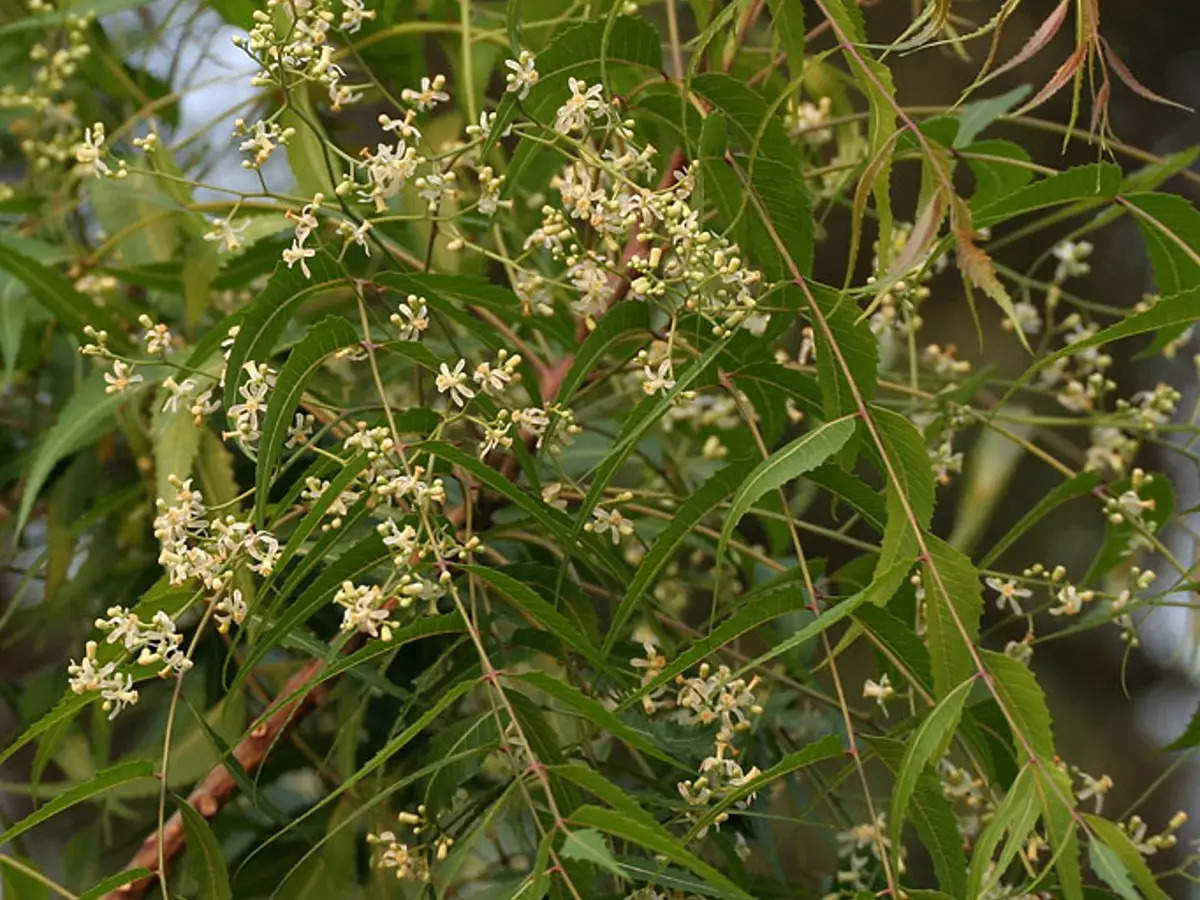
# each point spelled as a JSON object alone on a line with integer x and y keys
{"x": 212, "y": 793}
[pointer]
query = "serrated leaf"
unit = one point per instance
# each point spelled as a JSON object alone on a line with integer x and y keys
{"x": 1109, "y": 867}
{"x": 589, "y": 845}
{"x": 323, "y": 339}
{"x": 790, "y": 462}
{"x": 682, "y": 522}
{"x": 531, "y": 604}
{"x": 1170, "y": 226}
{"x": 1094, "y": 182}
{"x": 788, "y": 19}
{"x": 881, "y": 588}
{"x": 855, "y": 343}
{"x": 1075, "y": 486}
{"x": 1017, "y": 814}
{"x": 555, "y": 522}
{"x": 83, "y": 419}
{"x": 58, "y": 296}
{"x": 654, "y": 839}
{"x": 936, "y": 825}
{"x": 976, "y": 116}
{"x": 618, "y": 325}
{"x": 98, "y": 784}
{"x": 268, "y": 314}
{"x": 927, "y": 744}
{"x": 1190, "y": 736}
{"x": 749, "y": 617}
{"x": 598, "y": 715}
{"x": 113, "y": 882}
{"x": 953, "y": 606}
{"x": 1118, "y": 843}
{"x": 204, "y": 856}
{"x": 772, "y": 166}
{"x": 365, "y": 555}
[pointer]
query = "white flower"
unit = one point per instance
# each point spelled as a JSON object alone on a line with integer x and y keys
{"x": 654, "y": 382}
{"x": 1009, "y": 592}
{"x": 388, "y": 169}
{"x": 1094, "y": 788}
{"x": 550, "y": 496}
{"x": 583, "y": 105}
{"x": 1070, "y": 601}
{"x": 523, "y": 75}
{"x": 412, "y": 318}
{"x": 1071, "y": 256}
{"x": 230, "y": 609}
{"x": 157, "y": 336}
{"x": 226, "y": 234}
{"x": 177, "y": 392}
{"x": 1028, "y": 318}
{"x": 299, "y": 254}
{"x": 880, "y": 691}
{"x": 430, "y": 95}
{"x": 455, "y": 383}
{"x": 611, "y": 521}
{"x": 353, "y": 15}
{"x": 121, "y": 378}
{"x": 90, "y": 152}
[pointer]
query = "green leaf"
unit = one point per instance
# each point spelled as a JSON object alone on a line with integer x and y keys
{"x": 589, "y": 845}
{"x": 316, "y": 512}
{"x": 653, "y": 839}
{"x": 853, "y": 341}
{"x": 1109, "y": 866}
{"x": 909, "y": 485}
{"x": 1022, "y": 698}
{"x": 773, "y": 169}
{"x": 994, "y": 177}
{"x": 698, "y": 504}
{"x": 58, "y": 296}
{"x": 84, "y": 418}
{"x": 789, "y": 462}
{"x": 953, "y": 606}
{"x": 204, "y": 856}
{"x": 978, "y": 115}
{"x": 592, "y": 781}
{"x": 930, "y": 812}
{"x": 1117, "y": 842}
{"x": 598, "y": 715}
{"x": 528, "y": 602}
{"x": 1170, "y": 226}
{"x": 788, "y": 19}
{"x": 113, "y": 882}
{"x": 750, "y": 616}
{"x": 1075, "y": 486}
{"x": 617, "y": 326}
{"x": 1017, "y": 814}
{"x": 98, "y": 784}
{"x": 637, "y": 423}
{"x": 323, "y": 339}
{"x": 269, "y": 313}
{"x": 927, "y": 744}
{"x": 1177, "y": 309}
{"x": 878, "y": 592}
{"x": 1098, "y": 181}
{"x": 554, "y": 521}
